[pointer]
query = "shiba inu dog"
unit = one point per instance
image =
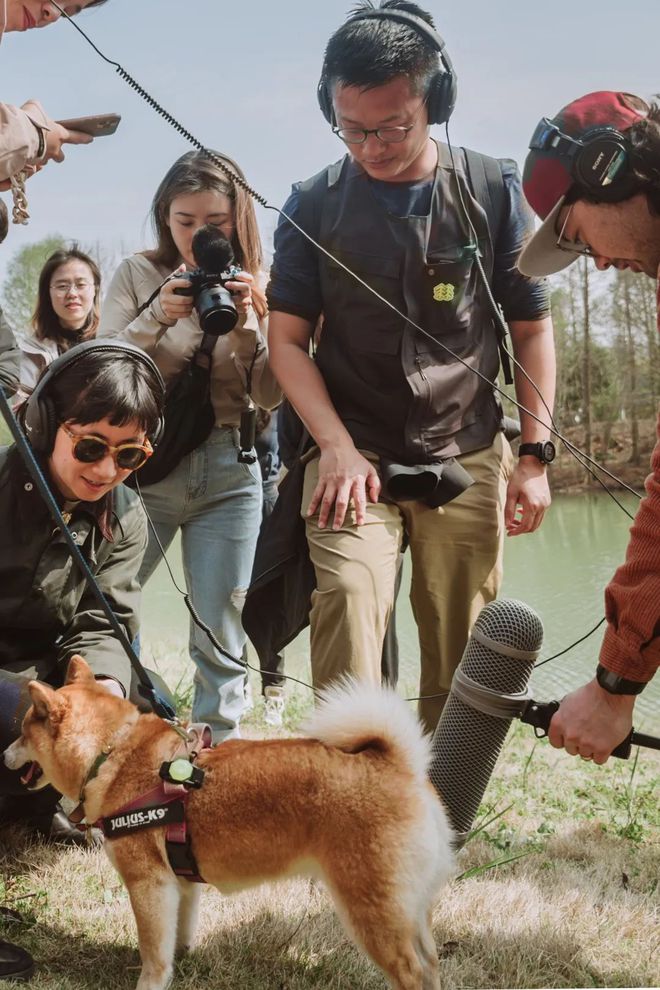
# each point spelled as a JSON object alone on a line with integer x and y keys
{"x": 349, "y": 802}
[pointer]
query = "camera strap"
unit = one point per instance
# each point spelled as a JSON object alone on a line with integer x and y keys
{"x": 203, "y": 356}
{"x": 151, "y": 298}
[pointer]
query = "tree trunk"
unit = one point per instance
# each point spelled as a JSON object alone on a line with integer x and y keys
{"x": 649, "y": 319}
{"x": 586, "y": 360}
{"x": 631, "y": 403}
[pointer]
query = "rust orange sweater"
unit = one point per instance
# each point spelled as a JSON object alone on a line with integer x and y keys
{"x": 631, "y": 647}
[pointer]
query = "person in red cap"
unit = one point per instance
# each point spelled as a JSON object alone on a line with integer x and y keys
{"x": 593, "y": 176}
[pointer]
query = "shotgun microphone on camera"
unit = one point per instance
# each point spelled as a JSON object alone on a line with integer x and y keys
{"x": 206, "y": 283}
{"x": 488, "y": 690}
{"x": 211, "y": 249}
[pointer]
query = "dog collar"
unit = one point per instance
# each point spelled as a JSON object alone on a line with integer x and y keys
{"x": 92, "y": 772}
{"x": 78, "y": 813}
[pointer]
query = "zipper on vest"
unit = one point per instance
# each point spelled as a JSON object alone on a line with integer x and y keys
{"x": 418, "y": 362}
{"x": 417, "y": 410}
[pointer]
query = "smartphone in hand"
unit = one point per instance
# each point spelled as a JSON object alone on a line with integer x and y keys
{"x": 98, "y": 126}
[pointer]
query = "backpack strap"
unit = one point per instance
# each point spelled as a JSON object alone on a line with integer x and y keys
{"x": 311, "y": 196}
{"x": 484, "y": 175}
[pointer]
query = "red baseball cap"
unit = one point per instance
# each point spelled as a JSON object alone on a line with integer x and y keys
{"x": 549, "y": 171}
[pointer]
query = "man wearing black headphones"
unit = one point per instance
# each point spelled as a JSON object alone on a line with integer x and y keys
{"x": 89, "y": 422}
{"x": 593, "y": 176}
{"x": 410, "y": 441}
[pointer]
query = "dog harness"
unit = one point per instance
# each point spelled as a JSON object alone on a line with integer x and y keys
{"x": 164, "y": 805}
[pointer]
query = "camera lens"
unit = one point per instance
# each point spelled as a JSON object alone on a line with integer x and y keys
{"x": 216, "y": 310}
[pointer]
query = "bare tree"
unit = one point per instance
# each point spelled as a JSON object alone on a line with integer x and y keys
{"x": 631, "y": 365}
{"x": 586, "y": 356}
{"x": 648, "y": 319}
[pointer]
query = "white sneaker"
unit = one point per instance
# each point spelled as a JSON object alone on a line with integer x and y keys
{"x": 273, "y": 706}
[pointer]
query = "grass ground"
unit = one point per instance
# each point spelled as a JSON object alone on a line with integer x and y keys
{"x": 574, "y": 901}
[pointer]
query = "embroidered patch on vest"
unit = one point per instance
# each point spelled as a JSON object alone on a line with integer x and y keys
{"x": 444, "y": 292}
{"x": 150, "y": 817}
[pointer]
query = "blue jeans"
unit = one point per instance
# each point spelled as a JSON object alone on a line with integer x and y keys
{"x": 217, "y": 503}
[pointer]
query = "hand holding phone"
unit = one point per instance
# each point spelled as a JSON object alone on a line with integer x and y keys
{"x": 100, "y": 125}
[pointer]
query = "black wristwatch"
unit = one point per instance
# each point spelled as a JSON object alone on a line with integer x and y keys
{"x": 614, "y": 684}
{"x": 544, "y": 452}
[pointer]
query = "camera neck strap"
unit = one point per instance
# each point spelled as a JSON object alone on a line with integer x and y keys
{"x": 145, "y": 305}
{"x": 203, "y": 356}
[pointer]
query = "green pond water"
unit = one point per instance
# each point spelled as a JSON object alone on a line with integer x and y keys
{"x": 560, "y": 571}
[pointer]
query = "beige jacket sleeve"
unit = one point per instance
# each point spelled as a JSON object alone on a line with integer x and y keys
{"x": 120, "y": 306}
{"x": 19, "y": 140}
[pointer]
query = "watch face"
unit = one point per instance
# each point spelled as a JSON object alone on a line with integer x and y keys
{"x": 548, "y": 451}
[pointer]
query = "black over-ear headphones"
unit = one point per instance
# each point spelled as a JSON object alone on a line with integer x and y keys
{"x": 599, "y": 161}
{"x": 38, "y": 414}
{"x": 441, "y": 96}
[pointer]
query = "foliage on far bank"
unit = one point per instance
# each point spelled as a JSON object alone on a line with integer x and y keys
{"x": 608, "y": 374}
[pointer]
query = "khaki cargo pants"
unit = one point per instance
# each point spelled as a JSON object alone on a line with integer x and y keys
{"x": 456, "y": 552}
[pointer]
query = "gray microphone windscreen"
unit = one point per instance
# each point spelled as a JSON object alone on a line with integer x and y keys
{"x": 499, "y": 658}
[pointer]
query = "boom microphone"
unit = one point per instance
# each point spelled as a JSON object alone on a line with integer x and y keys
{"x": 488, "y": 690}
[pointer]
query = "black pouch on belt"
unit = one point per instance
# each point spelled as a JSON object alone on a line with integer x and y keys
{"x": 433, "y": 484}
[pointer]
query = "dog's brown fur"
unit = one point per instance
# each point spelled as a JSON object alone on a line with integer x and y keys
{"x": 360, "y": 814}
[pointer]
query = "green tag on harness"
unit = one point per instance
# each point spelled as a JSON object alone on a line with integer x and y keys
{"x": 180, "y": 771}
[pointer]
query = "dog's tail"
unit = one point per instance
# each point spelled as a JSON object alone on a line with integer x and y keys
{"x": 354, "y": 716}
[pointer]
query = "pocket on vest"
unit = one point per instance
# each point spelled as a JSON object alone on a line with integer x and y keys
{"x": 448, "y": 303}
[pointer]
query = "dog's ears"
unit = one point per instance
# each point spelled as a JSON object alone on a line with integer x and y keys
{"x": 43, "y": 698}
{"x": 78, "y": 670}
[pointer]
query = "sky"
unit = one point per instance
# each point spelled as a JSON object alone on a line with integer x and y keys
{"x": 242, "y": 78}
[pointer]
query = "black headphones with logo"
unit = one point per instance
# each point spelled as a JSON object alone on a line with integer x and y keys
{"x": 441, "y": 96}
{"x": 599, "y": 161}
{"x": 38, "y": 414}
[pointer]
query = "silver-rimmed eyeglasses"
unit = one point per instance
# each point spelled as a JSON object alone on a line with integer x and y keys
{"x": 573, "y": 247}
{"x": 63, "y": 288}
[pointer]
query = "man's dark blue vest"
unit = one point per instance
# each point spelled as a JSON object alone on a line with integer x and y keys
{"x": 398, "y": 392}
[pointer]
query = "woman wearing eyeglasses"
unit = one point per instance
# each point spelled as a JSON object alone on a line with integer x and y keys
{"x": 89, "y": 422}
{"x": 67, "y": 312}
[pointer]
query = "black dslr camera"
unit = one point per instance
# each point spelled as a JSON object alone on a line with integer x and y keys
{"x": 215, "y": 308}
{"x": 213, "y": 302}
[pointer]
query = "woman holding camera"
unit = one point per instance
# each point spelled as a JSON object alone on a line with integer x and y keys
{"x": 67, "y": 313}
{"x": 211, "y": 495}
